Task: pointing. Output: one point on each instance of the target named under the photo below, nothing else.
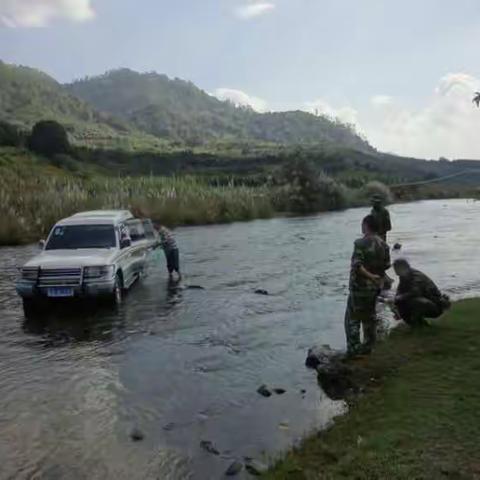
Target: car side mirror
(125, 242)
(41, 244)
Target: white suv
(91, 254)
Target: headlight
(104, 271)
(30, 273)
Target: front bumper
(92, 289)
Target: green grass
(419, 418)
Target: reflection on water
(183, 365)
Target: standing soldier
(382, 216)
(370, 260)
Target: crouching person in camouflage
(370, 260)
(417, 298)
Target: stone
(397, 246)
(256, 468)
(195, 287)
(260, 291)
(234, 469)
(334, 374)
(209, 447)
(264, 391)
(136, 435)
(323, 356)
(279, 391)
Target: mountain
(180, 111)
(28, 95)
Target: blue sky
(402, 72)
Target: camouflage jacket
(382, 216)
(374, 255)
(419, 285)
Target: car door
(126, 260)
(139, 245)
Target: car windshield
(81, 236)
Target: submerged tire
(116, 298)
(30, 308)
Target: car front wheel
(117, 294)
(30, 308)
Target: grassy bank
(419, 417)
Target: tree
(49, 138)
(476, 99)
(9, 135)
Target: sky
(402, 72)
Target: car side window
(135, 230)
(149, 229)
(124, 236)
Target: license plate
(60, 292)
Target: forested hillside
(28, 95)
(178, 110)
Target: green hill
(179, 111)
(28, 95)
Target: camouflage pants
(361, 312)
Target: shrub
(377, 188)
(10, 136)
(49, 138)
(306, 189)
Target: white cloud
(381, 101)
(39, 13)
(447, 125)
(240, 99)
(345, 114)
(254, 8)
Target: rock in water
(195, 287)
(234, 469)
(323, 356)
(397, 246)
(136, 435)
(260, 291)
(256, 468)
(279, 391)
(209, 447)
(334, 375)
(264, 391)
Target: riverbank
(35, 193)
(418, 416)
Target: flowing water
(183, 365)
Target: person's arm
(388, 261)
(371, 276)
(388, 223)
(358, 259)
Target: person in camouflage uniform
(382, 216)
(370, 260)
(417, 296)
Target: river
(183, 366)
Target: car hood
(72, 258)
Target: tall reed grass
(30, 204)
(34, 195)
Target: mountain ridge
(179, 110)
